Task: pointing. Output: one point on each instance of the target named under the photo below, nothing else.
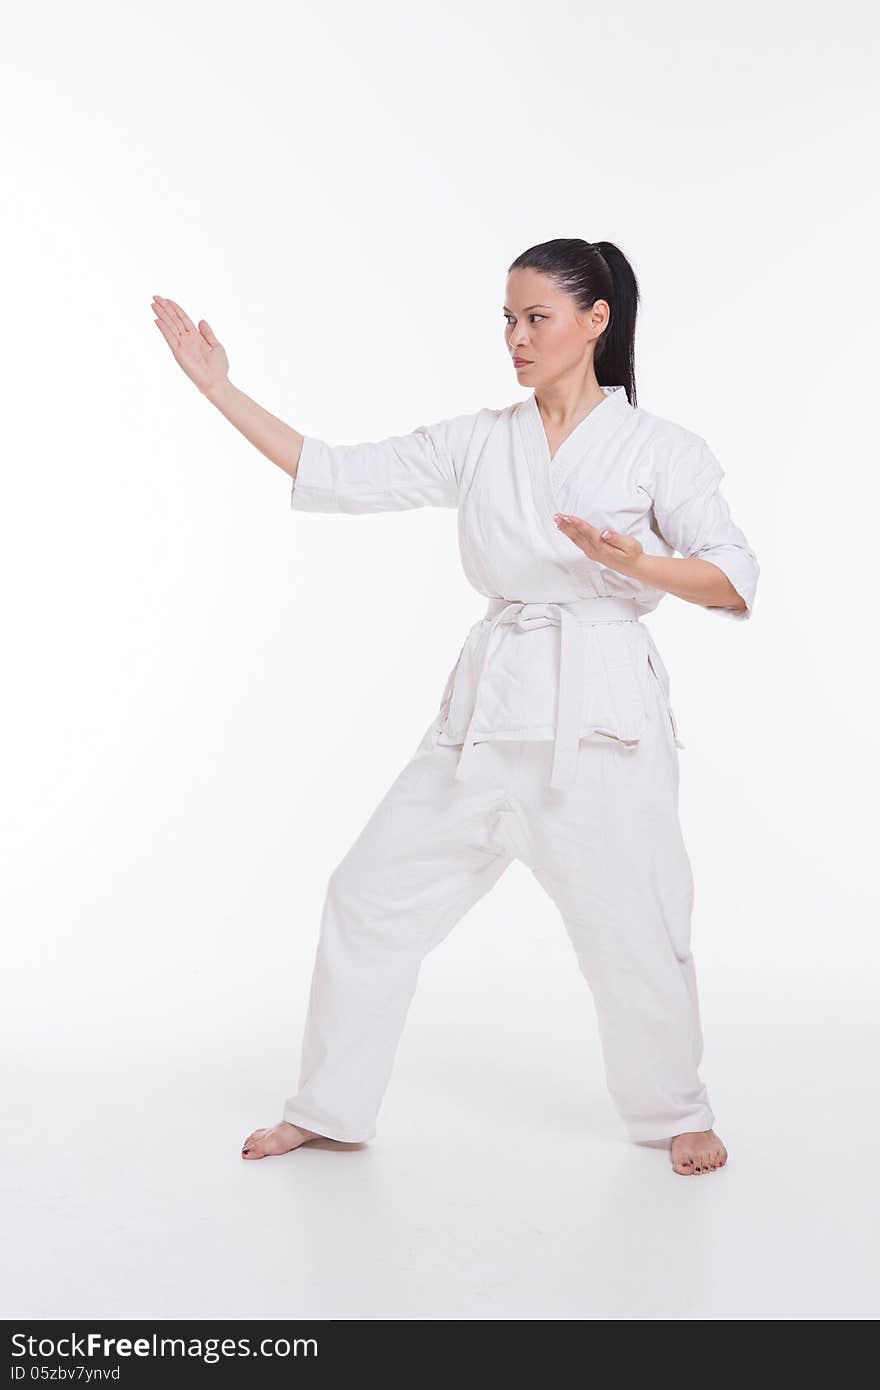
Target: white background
(205, 694)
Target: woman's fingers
(614, 539)
(583, 533)
(185, 321)
(577, 529)
(580, 533)
(173, 315)
(608, 547)
(169, 334)
(162, 312)
(176, 317)
(207, 333)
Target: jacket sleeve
(694, 518)
(421, 469)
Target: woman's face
(545, 328)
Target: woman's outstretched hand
(196, 350)
(610, 548)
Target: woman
(555, 742)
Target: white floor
(130, 1198)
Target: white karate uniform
(554, 743)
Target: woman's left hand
(610, 548)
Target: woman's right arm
(203, 358)
(419, 469)
(279, 442)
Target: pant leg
(611, 854)
(428, 852)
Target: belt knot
(572, 616)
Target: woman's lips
(521, 362)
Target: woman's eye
(509, 317)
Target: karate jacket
(539, 657)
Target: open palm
(612, 549)
(195, 349)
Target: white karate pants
(608, 850)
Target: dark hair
(589, 271)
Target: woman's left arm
(718, 568)
(697, 581)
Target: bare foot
(700, 1152)
(280, 1139)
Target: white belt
(570, 617)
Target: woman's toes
(251, 1148)
(277, 1139)
(697, 1160)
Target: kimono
(540, 664)
(554, 742)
